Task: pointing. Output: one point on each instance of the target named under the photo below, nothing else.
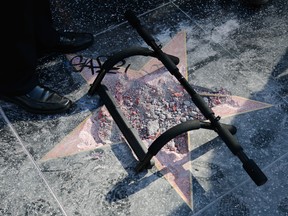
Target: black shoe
(71, 42)
(40, 101)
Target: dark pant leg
(29, 29)
(46, 34)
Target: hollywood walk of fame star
(99, 128)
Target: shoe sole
(36, 111)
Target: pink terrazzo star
(153, 101)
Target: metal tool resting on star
(145, 155)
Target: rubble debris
(152, 109)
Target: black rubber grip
(255, 172)
(132, 18)
(135, 23)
